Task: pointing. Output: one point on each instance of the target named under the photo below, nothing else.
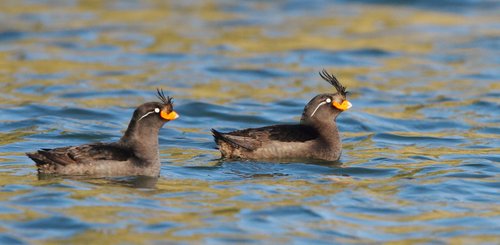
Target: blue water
(421, 144)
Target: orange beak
(169, 116)
(344, 106)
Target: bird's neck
(328, 134)
(143, 139)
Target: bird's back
(99, 159)
(273, 142)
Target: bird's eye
(157, 110)
(328, 100)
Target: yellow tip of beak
(169, 116)
(344, 106)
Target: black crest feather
(165, 99)
(331, 79)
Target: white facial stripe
(145, 115)
(317, 107)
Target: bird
(315, 137)
(135, 154)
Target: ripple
(411, 140)
(249, 73)
(9, 36)
(315, 58)
(260, 219)
(50, 227)
(8, 239)
(158, 227)
(199, 110)
(43, 199)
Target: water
(421, 144)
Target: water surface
(421, 143)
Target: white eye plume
(156, 110)
(327, 101)
(317, 107)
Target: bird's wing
(84, 154)
(254, 138)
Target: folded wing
(84, 154)
(254, 138)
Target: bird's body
(316, 137)
(136, 153)
(279, 142)
(98, 159)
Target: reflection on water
(421, 148)
(128, 181)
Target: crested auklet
(316, 137)
(136, 153)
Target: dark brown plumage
(136, 153)
(316, 137)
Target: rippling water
(421, 144)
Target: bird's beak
(169, 116)
(344, 106)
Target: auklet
(316, 137)
(136, 153)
